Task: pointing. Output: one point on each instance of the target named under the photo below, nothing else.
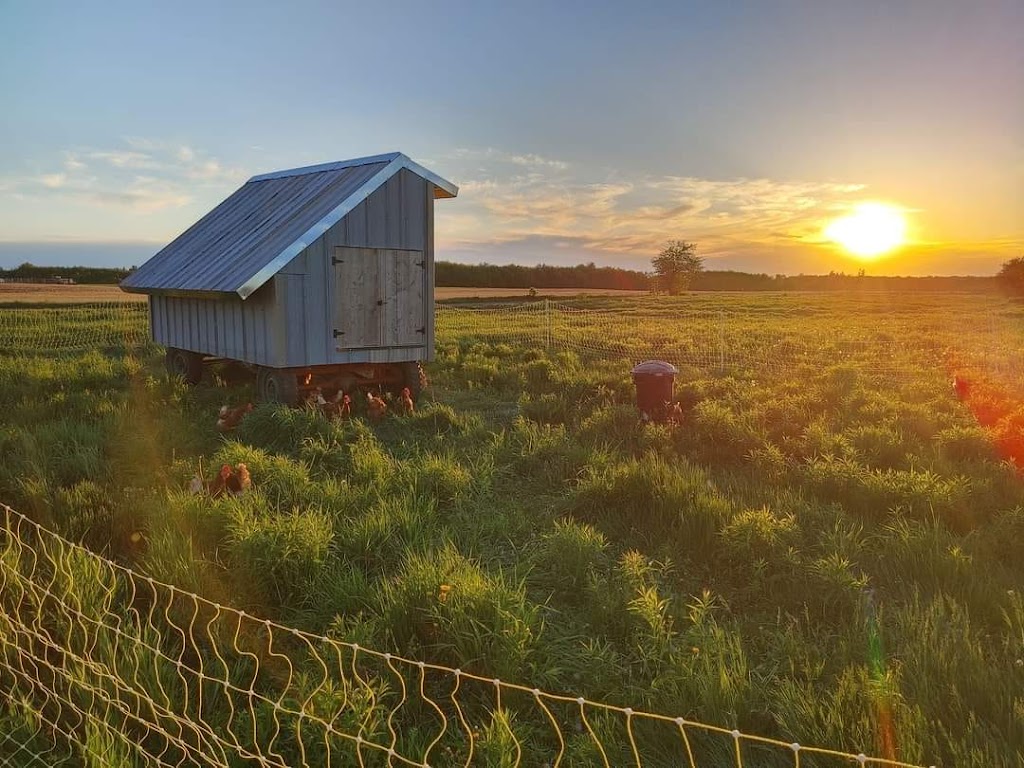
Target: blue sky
(577, 131)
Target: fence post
(547, 319)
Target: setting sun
(869, 231)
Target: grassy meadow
(829, 549)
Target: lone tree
(1011, 276)
(676, 266)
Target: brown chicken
(339, 406)
(219, 484)
(316, 398)
(674, 412)
(961, 388)
(376, 407)
(240, 480)
(233, 481)
(229, 418)
(405, 402)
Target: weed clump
(648, 499)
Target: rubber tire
(188, 365)
(278, 386)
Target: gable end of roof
(442, 189)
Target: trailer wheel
(277, 386)
(188, 365)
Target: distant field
(64, 294)
(33, 293)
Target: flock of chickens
(235, 481)
(340, 406)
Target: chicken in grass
(229, 418)
(376, 407)
(316, 399)
(219, 484)
(240, 480)
(233, 481)
(405, 403)
(674, 412)
(339, 406)
(961, 388)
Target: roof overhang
(179, 293)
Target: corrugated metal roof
(245, 240)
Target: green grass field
(829, 549)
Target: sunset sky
(576, 131)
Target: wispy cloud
(507, 197)
(144, 175)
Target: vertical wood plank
(376, 217)
(193, 330)
(234, 332)
(414, 212)
(243, 336)
(318, 318)
(392, 237)
(357, 226)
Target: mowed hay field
(829, 548)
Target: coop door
(405, 312)
(358, 298)
(379, 298)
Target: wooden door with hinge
(358, 298)
(405, 317)
(379, 298)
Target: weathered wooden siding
(399, 215)
(247, 330)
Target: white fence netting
(767, 342)
(104, 665)
(760, 340)
(73, 327)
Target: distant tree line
(838, 281)
(92, 275)
(452, 275)
(586, 276)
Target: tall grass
(808, 550)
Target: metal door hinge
(421, 263)
(335, 261)
(338, 333)
(421, 330)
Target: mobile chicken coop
(317, 276)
